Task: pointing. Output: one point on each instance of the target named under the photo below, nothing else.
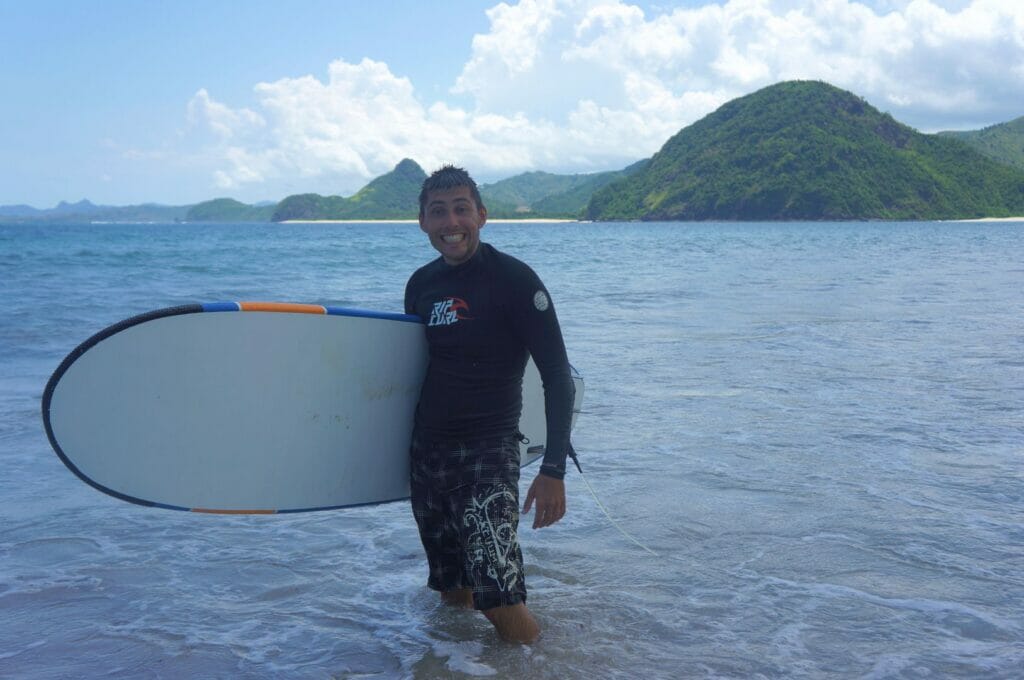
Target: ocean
(816, 428)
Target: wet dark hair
(446, 178)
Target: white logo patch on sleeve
(540, 301)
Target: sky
(124, 102)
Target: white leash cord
(610, 519)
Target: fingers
(548, 513)
(549, 495)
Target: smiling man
(486, 313)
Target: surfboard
(251, 407)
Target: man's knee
(514, 623)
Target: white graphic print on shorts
(491, 519)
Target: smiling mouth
(453, 238)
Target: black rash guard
(484, 318)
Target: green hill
(543, 194)
(810, 151)
(573, 202)
(523, 190)
(307, 207)
(1003, 142)
(228, 210)
(391, 196)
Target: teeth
(452, 238)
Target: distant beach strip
(528, 220)
(991, 219)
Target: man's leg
(514, 623)
(494, 561)
(430, 471)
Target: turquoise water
(819, 429)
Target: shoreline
(529, 220)
(992, 219)
(346, 222)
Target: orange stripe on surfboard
(281, 307)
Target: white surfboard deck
(280, 408)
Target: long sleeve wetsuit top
(484, 318)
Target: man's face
(453, 221)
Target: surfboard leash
(572, 454)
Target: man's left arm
(543, 338)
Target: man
(485, 313)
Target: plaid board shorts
(465, 498)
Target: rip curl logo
(492, 543)
(449, 311)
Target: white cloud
(578, 85)
(515, 43)
(219, 118)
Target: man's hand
(549, 493)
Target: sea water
(817, 429)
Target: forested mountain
(1003, 142)
(391, 196)
(543, 194)
(229, 210)
(810, 151)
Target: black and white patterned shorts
(465, 497)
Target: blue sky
(177, 102)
